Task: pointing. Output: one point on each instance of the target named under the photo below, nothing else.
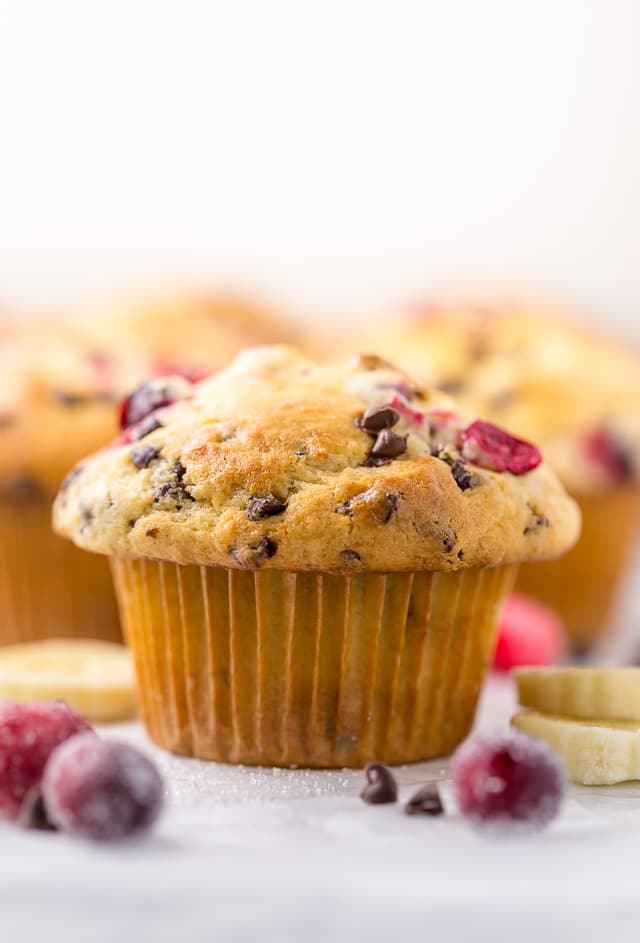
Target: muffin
(57, 400)
(190, 334)
(310, 560)
(574, 393)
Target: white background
(343, 156)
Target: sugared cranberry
(154, 394)
(28, 735)
(490, 447)
(528, 634)
(602, 449)
(101, 789)
(508, 779)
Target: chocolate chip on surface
(178, 470)
(537, 521)
(350, 556)
(389, 444)
(146, 427)
(462, 475)
(151, 532)
(345, 507)
(378, 418)
(143, 455)
(381, 786)
(426, 801)
(173, 490)
(390, 504)
(267, 506)
(256, 554)
(448, 540)
(86, 517)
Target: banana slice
(595, 752)
(592, 693)
(94, 678)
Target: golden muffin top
(537, 374)
(276, 462)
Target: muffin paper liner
(49, 588)
(582, 585)
(307, 669)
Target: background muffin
(309, 560)
(191, 333)
(58, 396)
(572, 391)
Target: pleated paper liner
(305, 669)
(49, 588)
(582, 585)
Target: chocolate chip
(33, 813)
(378, 418)
(178, 470)
(146, 427)
(152, 532)
(448, 540)
(389, 444)
(86, 517)
(350, 556)
(389, 506)
(155, 393)
(267, 506)
(173, 490)
(381, 786)
(463, 477)
(132, 522)
(426, 801)
(254, 556)
(537, 521)
(345, 507)
(143, 455)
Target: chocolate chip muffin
(573, 392)
(58, 395)
(310, 560)
(190, 334)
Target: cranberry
(101, 789)
(528, 634)
(28, 735)
(490, 447)
(602, 449)
(508, 779)
(154, 394)
(402, 407)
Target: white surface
(274, 855)
(344, 154)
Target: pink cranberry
(508, 779)
(490, 447)
(28, 735)
(528, 634)
(403, 408)
(101, 789)
(154, 394)
(603, 450)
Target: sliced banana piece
(595, 752)
(94, 678)
(602, 693)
